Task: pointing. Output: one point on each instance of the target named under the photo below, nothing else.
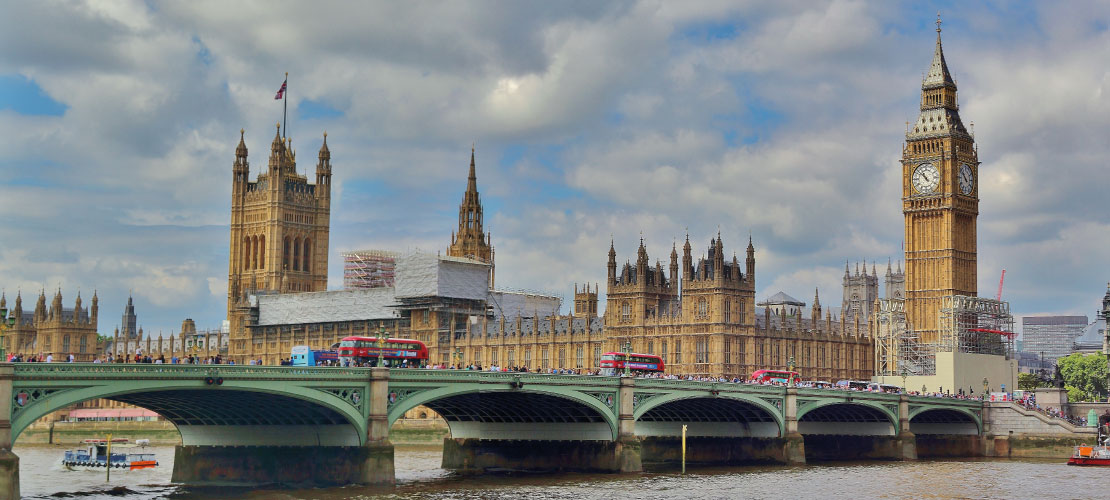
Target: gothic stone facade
(279, 233)
(53, 330)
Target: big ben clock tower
(940, 200)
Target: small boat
(124, 456)
(1090, 455)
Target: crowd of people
(1028, 401)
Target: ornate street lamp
(381, 343)
(985, 382)
(6, 322)
(790, 368)
(904, 380)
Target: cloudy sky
(783, 120)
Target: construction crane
(1000, 280)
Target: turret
(687, 260)
(56, 306)
(641, 260)
(750, 261)
(323, 170)
(40, 308)
(240, 168)
(94, 311)
(612, 264)
(3, 300)
(277, 158)
(674, 266)
(77, 308)
(18, 307)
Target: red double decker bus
(773, 376)
(363, 351)
(613, 363)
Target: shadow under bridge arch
(944, 421)
(717, 416)
(849, 419)
(224, 416)
(532, 415)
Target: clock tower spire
(940, 201)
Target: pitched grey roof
(781, 298)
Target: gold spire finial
(938, 21)
(242, 131)
(325, 134)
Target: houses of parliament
(698, 314)
(697, 311)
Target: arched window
(246, 250)
(626, 311)
(254, 252)
(285, 255)
(297, 254)
(262, 252)
(703, 307)
(84, 343)
(65, 344)
(307, 255)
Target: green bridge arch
(429, 395)
(888, 410)
(654, 402)
(40, 390)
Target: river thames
(419, 476)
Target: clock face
(926, 178)
(967, 181)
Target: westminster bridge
(325, 426)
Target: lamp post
(627, 355)
(6, 322)
(790, 368)
(904, 380)
(985, 382)
(381, 343)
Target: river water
(420, 477)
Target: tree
(1084, 376)
(1029, 381)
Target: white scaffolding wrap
(326, 307)
(426, 275)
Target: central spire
(938, 75)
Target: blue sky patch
(22, 95)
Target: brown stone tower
(279, 227)
(470, 240)
(585, 301)
(940, 201)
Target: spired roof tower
(470, 240)
(940, 201)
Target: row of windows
(476, 358)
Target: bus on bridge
(613, 363)
(364, 351)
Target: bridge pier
(907, 442)
(9, 462)
(794, 445)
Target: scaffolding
(369, 269)
(898, 348)
(967, 324)
(976, 325)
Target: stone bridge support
(297, 465)
(794, 447)
(906, 441)
(9, 462)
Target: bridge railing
(40, 371)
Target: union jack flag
(281, 91)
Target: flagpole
(285, 105)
